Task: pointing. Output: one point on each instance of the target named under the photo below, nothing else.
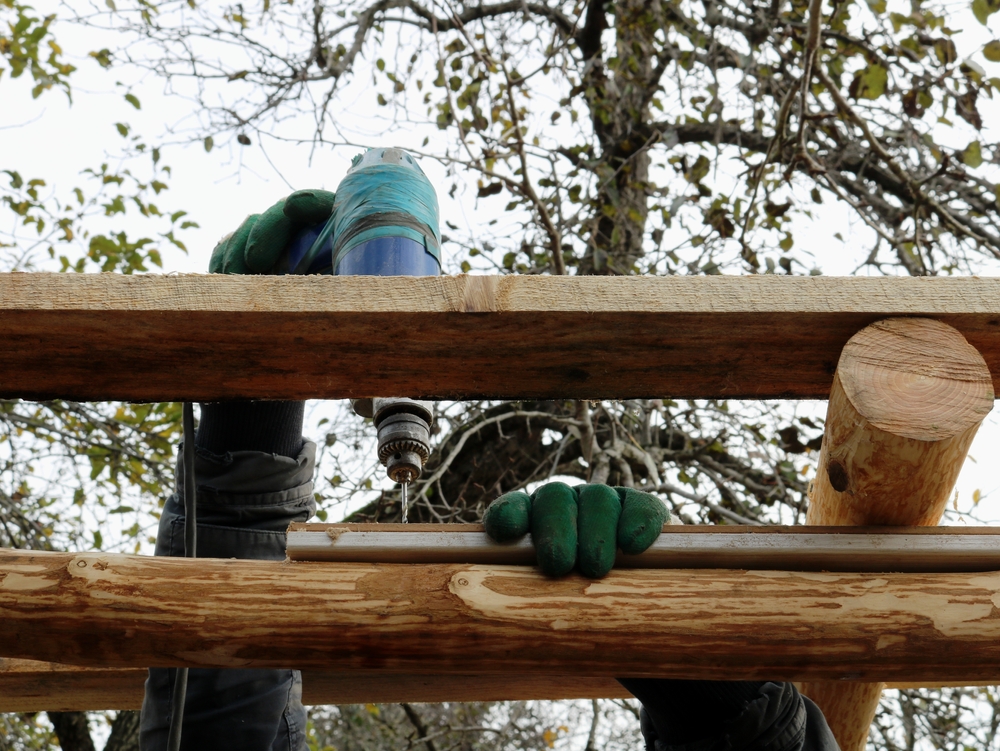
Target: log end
(916, 378)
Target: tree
(69, 470)
(625, 136)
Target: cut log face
(907, 399)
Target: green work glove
(259, 243)
(584, 525)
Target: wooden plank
(131, 611)
(906, 549)
(31, 686)
(34, 686)
(106, 336)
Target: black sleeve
(728, 716)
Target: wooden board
(148, 338)
(30, 686)
(131, 611)
(878, 549)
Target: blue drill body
(384, 223)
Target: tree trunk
(73, 730)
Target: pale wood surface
(876, 549)
(907, 399)
(107, 336)
(31, 686)
(121, 611)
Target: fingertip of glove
(216, 264)
(508, 517)
(309, 206)
(555, 559)
(600, 511)
(268, 238)
(598, 561)
(642, 519)
(233, 259)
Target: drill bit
(406, 501)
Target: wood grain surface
(122, 611)
(107, 336)
(908, 396)
(32, 686)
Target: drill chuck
(404, 436)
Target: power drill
(384, 223)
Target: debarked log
(31, 686)
(121, 611)
(907, 399)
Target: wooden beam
(873, 549)
(130, 611)
(908, 396)
(148, 338)
(31, 686)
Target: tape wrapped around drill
(385, 200)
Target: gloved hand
(584, 525)
(259, 243)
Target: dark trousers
(246, 499)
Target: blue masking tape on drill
(385, 207)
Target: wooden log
(31, 686)
(151, 338)
(908, 396)
(130, 611)
(873, 549)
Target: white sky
(220, 188)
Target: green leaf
(380, 64)
(133, 100)
(983, 9)
(209, 143)
(103, 57)
(945, 51)
(122, 129)
(972, 155)
(992, 51)
(869, 83)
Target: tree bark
(73, 730)
(907, 399)
(124, 732)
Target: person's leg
(728, 716)
(254, 474)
